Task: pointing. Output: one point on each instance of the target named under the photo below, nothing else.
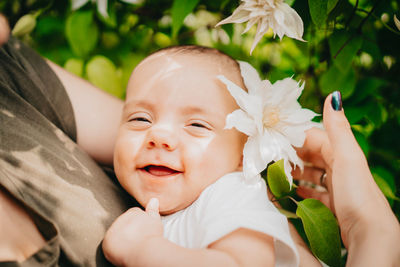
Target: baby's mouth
(160, 170)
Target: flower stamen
(271, 117)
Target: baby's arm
(136, 239)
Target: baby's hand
(125, 238)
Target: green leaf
(343, 47)
(331, 5)
(110, 39)
(102, 72)
(385, 181)
(362, 141)
(24, 25)
(377, 114)
(75, 66)
(82, 33)
(321, 229)
(368, 86)
(355, 113)
(180, 9)
(318, 11)
(277, 180)
(334, 79)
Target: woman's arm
(19, 236)
(369, 229)
(97, 115)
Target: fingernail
(153, 203)
(336, 101)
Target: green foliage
(318, 11)
(320, 225)
(102, 72)
(322, 230)
(276, 178)
(180, 9)
(81, 32)
(351, 46)
(25, 25)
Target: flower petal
(132, 1)
(300, 116)
(236, 91)
(238, 16)
(250, 24)
(250, 104)
(291, 25)
(259, 34)
(269, 147)
(76, 4)
(295, 135)
(250, 77)
(397, 22)
(286, 92)
(102, 7)
(253, 165)
(241, 121)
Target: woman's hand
(129, 233)
(363, 212)
(4, 30)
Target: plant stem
(294, 200)
(359, 28)
(352, 14)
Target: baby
(174, 155)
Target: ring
(322, 179)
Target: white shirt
(225, 206)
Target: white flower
(272, 118)
(274, 14)
(101, 5)
(396, 22)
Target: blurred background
(351, 45)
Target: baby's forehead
(186, 76)
(172, 63)
(190, 61)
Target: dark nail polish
(336, 101)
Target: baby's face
(171, 142)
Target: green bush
(351, 46)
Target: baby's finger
(153, 208)
(307, 192)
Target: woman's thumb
(337, 126)
(153, 208)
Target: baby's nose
(162, 138)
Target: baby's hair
(197, 49)
(202, 50)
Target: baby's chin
(166, 210)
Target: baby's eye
(198, 128)
(199, 125)
(139, 119)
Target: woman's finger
(310, 174)
(338, 128)
(4, 30)
(316, 149)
